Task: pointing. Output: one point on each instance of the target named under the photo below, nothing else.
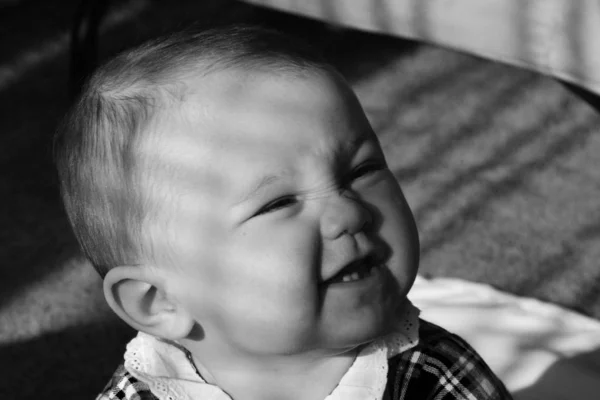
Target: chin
(353, 339)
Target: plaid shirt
(441, 367)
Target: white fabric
(555, 37)
(170, 374)
(539, 350)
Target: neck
(290, 377)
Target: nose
(343, 215)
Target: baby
(230, 191)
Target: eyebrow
(260, 185)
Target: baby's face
(291, 232)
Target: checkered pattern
(124, 386)
(441, 367)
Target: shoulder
(442, 366)
(123, 386)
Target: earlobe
(137, 295)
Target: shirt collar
(169, 372)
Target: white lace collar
(168, 371)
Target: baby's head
(230, 190)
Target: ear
(137, 295)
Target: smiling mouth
(356, 271)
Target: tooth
(346, 278)
(355, 276)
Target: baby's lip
(370, 258)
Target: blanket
(539, 350)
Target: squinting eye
(277, 204)
(366, 169)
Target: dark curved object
(84, 41)
(591, 98)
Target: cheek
(390, 207)
(286, 251)
(395, 225)
(265, 286)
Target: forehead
(257, 109)
(235, 125)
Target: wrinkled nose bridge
(342, 214)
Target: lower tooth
(359, 275)
(351, 277)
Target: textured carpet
(500, 166)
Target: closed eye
(366, 169)
(277, 204)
